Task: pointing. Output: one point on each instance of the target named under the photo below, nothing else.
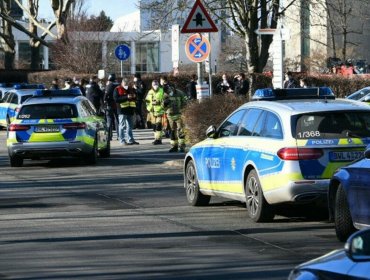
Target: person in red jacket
(125, 97)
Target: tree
(83, 54)
(6, 36)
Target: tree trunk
(35, 49)
(9, 46)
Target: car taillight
(299, 153)
(18, 127)
(76, 125)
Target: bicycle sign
(197, 48)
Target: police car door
(227, 135)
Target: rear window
(332, 125)
(48, 111)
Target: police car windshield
(332, 125)
(25, 97)
(48, 111)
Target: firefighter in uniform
(173, 102)
(154, 105)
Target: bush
(198, 116)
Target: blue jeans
(125, 128)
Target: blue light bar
(29, 86)
(57, 92)
(293, 93)
(8, 85)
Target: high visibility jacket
(154, 102)
(126, 100)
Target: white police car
(57, 123)
(13, 98)
(283, 148)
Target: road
(127, 218)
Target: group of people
(290, 82)
(239, 85)
(123, 105)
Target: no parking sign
(197, 48)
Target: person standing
(125, 98)
(289, 81)
(55, 84)
(241, 85)
(94, 93)
(224, 86)
(173, 103)
(154, 105)
(110, 105)
(140, 90)
(191, 88)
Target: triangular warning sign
(199, 20)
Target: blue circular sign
(122, 52)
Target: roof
(311, 105)
(54, 100)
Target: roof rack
(293, 93)
(57, 92)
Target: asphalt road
(127, 218)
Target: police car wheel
(193, 194)
(16, 161)
(258, 208)
(93, 156)
(105, 153)
(342, 216)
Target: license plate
(345, 156)
(47, 128)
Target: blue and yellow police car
(282, 147)
(13, 98)
(57, 123)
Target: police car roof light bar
(293, 93)
(29, 86)
(58, 92)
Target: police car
(57, 123)
(13, 98)
(283, 147)
(362, 95)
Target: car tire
(342, 216)
(16, 161)
(258, 208)
(105, 153)
(193, 194)
(92, 157)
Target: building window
(147, 57)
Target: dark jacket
(241, 87)
(191, 89)
(140, 90)
(94, 94)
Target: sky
(112, 8)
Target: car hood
(335, 261)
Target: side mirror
(366, 98)
(211, 131)
(367, 152)
(357, 246)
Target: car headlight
(302, 275)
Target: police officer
(110, 105)
(125, 98)
(154, 105)
(94, 93)
(173, 102)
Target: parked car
(57, 123)
(282, 148)
(351, 262)
(349, 197)
(362, 95)
(12, 100)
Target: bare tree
(346, 19)
(6, 36)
